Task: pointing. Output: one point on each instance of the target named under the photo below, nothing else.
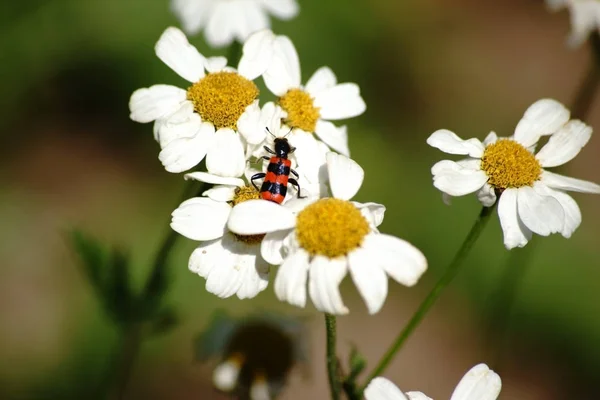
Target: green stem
(234, 54)
(435, 293)
(332, 361)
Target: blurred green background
(72, 158)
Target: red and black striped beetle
(274, 187)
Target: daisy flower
(200, 121)
(532, 199)
(479, 383)
(585, 18)
(310, 108)
(227, 20)
(230, 263)
(320, 241)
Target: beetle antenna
(268, 130)
(290, 131)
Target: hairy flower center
(510, 165)
(242, 194)
(331, 227)
(301, 111)
(222, 97)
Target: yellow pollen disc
(509, 164)
(331, 227)
(242, 194)
(222, 97)
(300, 109)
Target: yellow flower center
(222, 97)
(241, 195)
(331, 227)
(300, 109)
(510, 165)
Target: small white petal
(272, 245)
(226, 279)
(451, 178)
(383, 389)
(226, 154)
(516, 234)
(560, 182)
(220, 193)
(290, 283)
(184, 153)
(448, 142)
(544, 117)
(257, 54)
(206, 256)
(253, 121)
(249, 18)
(309, 155)
(201, 218)
(192, 14)
(565, 144)
(479, 383)
(325, 276)
(253, 270)
(322, 79)
(214, 179)
(417, 396)
(158, 101)
(373, 212)
(254, 217)
(282, 9)
(215, 64)
(220, 28)
(570, 207)
(259, 390)
(226, 374)
(542, 214)
(486, 195)
(401, 260)
(371, 281)
(340, 102)
(490, 138)
(183, 123)
(174, 50)
(345, 176)
(335, 137)
(284, 72)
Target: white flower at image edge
(532, 200)
(479, 383)
(310, 108)
(318, 242)
(231, 264)
(585, 18)
(224, 21)
(201, 121)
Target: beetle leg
(297, 186)
(257, 176)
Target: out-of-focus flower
(227, 20)
(201, 121)
(585, 18)
(309, 108)
(320, 241)
(479, 383)
(256, 353)
(532, 200)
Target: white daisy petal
(402, 261)
(450, 143)
(184, 153)
(220, 193)
(282, 9)
(373, 212)
(570, 207)
(479, 383)
(543, 117)
(200, 218)
(486, 195)
(253, 121)
(257, 54)
(225, 280)
(191, 13)
(542, 214)
(451, 178)
(560, 182)
(290, 283)
(383, 389)
(325, 276)
(183, 123)
(322, 79)
(417, 396)
(271, 246)
(490, 138)
(250, 18)
(335, 137)
(516, 234)
(565, 144)
(340, 102)
(174, 50)
(370, 280)
(215, 64)
(158, 101)
(226, 154)
(214, 179)
(247, 262)
(284, 72)
(345, 176)
(309, 156)
(254, 217)
(206, 257)
(220, 28)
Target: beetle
(274, 187)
